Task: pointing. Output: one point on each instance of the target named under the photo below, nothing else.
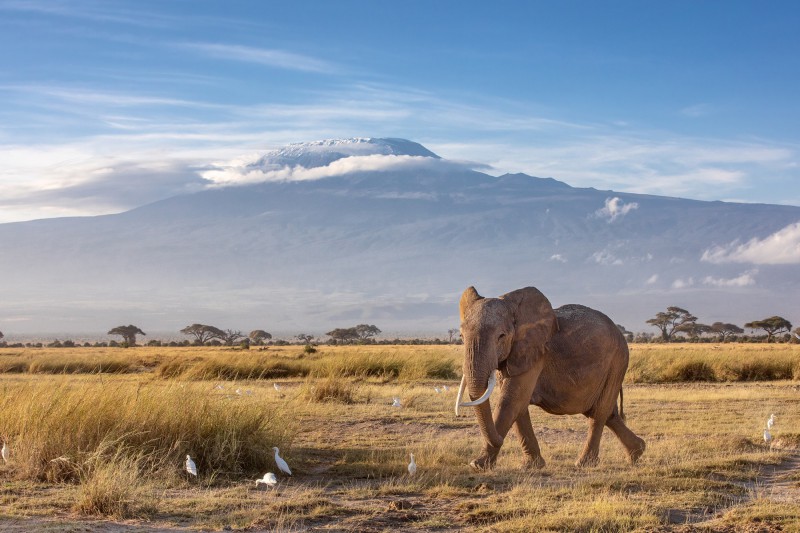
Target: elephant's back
(587, 354)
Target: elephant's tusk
(460, 391)
(489, 389)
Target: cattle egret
(412, 466)
(190, 466)
(282, 466)
(277, 387)
(767, 437)
(771, 421)
(269, 480)
(4, 452)
(239, 392)
(396, 402)
(219, 387)
(445, 388)
(437, 389)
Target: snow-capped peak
(323, 153)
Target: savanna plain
(97, 439)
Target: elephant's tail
(621, 411)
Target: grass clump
(334, 389)
(81, 364)
(114, 487)
(59, 431)
(691, 371)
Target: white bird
(771, 421)
(767, 436)
(437, 389)
(282, 465)
(412, 466)
(396, 402)
(269, 480)
(219, 387)
(239, 392)
(446, 388)
(277, 387)
(190, 466)
(4, 452)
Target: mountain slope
(386, 233)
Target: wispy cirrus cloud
(780, 248)
(743, 280)
(264, 56)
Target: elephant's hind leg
(590, 455)
(533, 456)
(634, 444)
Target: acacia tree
(366, 331)
(343, 335)
(203, 333)
(692, 329)
(725, 330)
(671, 319)
(625, 333)
(128, 333)
(230, 336)
(258, 336)
(772, 325)
(453, 334)
(305, 338)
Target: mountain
(335, 233)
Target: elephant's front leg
(524, 427)
(515, 395)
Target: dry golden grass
(122, 439)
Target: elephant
(570, 360)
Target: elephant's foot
(636, 452)
(487, 458)
(588, 459)
(534, 462)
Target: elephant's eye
(502, 337)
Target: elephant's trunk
(480, 383)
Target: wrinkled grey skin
(570, 360)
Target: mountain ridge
(392, 245)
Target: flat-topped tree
(203, 333)
(128, 333)
(725, 330)
(668, 321)
(258, 336)
(772, 326)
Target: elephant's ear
(534, 322)
(469, 296)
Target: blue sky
(110, 104)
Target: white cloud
(682, 283)
(239, 172)
(604, 257)
(264, 56)
(652, 279)
(743, 280)
(559, 258)
(615, 208)
(780, 248)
